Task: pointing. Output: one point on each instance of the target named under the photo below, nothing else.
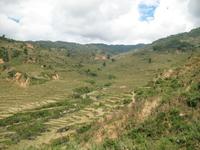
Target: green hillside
(60, 95)
(182, 42)
(103, 48)
(116, 49)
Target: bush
(90, 73)
(193, 96)
(11, 73)
(26, 51)
(4, 54)
(142, 93)
(15, 53)
(92, 82)
(108, 84)
(127, 101)
(84, 129)
(36, 81)
(104, 64)
(110, 77)
(80, 91)
(5, 66)
(193, 101)
(110, 144)
(60, 141)
(149, 60)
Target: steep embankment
(170, 121)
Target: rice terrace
(140, 94)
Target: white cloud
(86, 21)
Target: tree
(104, 64)
(150, 60)
(113, 60)
(25, 51)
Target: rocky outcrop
(21, 80)
(55, 76)
(28, 45)
(100, 57)
(1, 61)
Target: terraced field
(16, 99)
(102, 103)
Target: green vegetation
(4, 54)
(73, 96)
(174, 44)
(28, 125)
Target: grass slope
(53, 96)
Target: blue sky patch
(15, 19)
(146, 12)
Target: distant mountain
(108, 49)
(116, 49)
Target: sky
(97, 21)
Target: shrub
(83, 129)
(108, 84)
(110, 144)
(104, 64)
(15, 53)
(92, 82)
(36, 81)
(90, 73)
(5, 66)
(60, 141)
(127, 101)
(193, 101)
(113, 60)
(80, 91)
(149, 60)
(4, 54)
(110, 77)
(26, 51)
(11, 73)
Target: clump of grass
(36, 81)
(108, 84)
(110, 144)
(193, 95)
(84, 129)
(111, 77)
(127, 101)
(60, 141)
(92, 82)
(78, 92)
